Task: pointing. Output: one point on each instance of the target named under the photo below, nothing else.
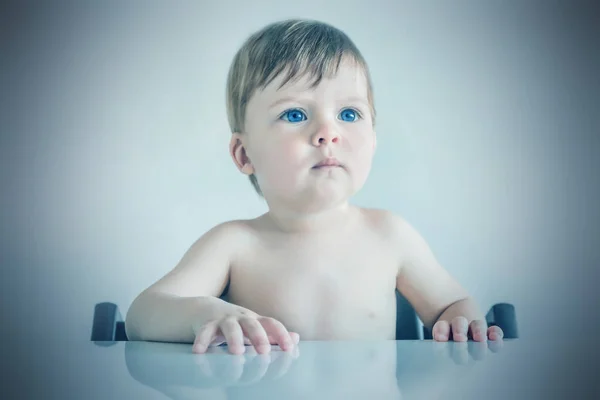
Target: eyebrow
(286, 99)
(358, 99)
(283, 100)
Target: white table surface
(517, 369)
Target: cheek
(360, 147)
(279, 161)
(289, 152)
(360, 143)
(279, 153)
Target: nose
(325, 134)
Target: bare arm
(187, 297)
(432, 291)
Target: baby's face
(290, 131)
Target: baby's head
(299, 93)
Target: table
(514, 369)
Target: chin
(313, 196)
(321, 198)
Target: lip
(330, 162)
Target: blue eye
(348, 115)
(294, 116)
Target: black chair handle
(504, 316)
(106, 316)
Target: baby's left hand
(460, 330)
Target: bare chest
(321, 289)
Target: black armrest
(120, 334)
(504, 316)
(104, 326)
(407, 322)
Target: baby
(302, 116)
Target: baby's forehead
(349, 78)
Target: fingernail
(459, 337)
(479, 335)
(441, 337)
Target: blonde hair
(294, 47)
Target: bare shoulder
(229, 237)
(386, 223)
(204, 268)
(233, 228)
(394, 230)
(229, 232)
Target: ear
(238, 154)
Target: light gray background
(114, 151)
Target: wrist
(466, 307)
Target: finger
(233, 334)
(205, 335)
(495, 333)
(460, 327)
(278, 332)
(218, 340)
(295, 337)
(255, 332)
(478, 330)
(441, 331)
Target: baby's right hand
(261, 332)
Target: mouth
(328, 163)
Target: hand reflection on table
(464, 353)
(322, 370)
(230, 370)
(173, 370)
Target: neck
(322, 221)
